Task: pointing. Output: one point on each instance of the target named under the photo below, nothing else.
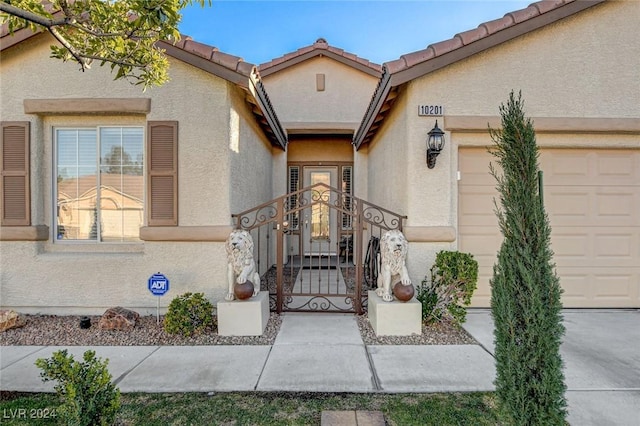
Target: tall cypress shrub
(525, 291)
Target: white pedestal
(394, 318)
(244, 317)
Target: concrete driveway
(601, 353)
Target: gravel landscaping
(50, 330)
(444, 333)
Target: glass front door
(320, 221)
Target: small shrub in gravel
(189, 313)
(453, 281)
(89, 397)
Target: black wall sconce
(435, 143)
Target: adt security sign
(158, 284)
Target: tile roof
(438, 55)
(482, 31)
(320, 48)
(236, 70)
(208, 58)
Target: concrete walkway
(325, 353)
(601, 354)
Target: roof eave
(205, 64)
(276, 134)
(377, 101)
(9, 40)
(272, 69)
(492, 40)
(402, 75)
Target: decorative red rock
(118, 318)
(403, 293)
(243, 291)
(10, 319)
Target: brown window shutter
(162, 178)
(14, 186)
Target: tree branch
(32, 17)
(78, 57)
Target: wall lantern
(435, 143)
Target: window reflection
(320, 212)
(100, 198)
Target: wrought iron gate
(305, 264)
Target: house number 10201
(430, 110)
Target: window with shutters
(162, 189)
(294, 185)
(99, 188)
(347, 201)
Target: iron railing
(312, 269)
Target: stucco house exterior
(104, 185)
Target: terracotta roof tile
(470, 36)
(245, 68)
(350, 56)
(213, 54)
(524, 14)
(443, 47)
(226, 60)
(498, 24)
(199, 49)
(409, 66)
(483, 30)
(413, 58)
(233, 69)
(277, 61)
(548, 5)
(304, 50)
(318, 48)
(397, 65)
(291, 55)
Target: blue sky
(379, 31)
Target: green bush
(89, 397)
(453, 281)
(189, 313)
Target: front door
(319, 221)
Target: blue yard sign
(158, 284)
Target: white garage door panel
(480, 240)
(476, 206)
(592, 198)
(475, 165)
(590, 167)
(482, 294)
(582, 287)
(591, 205)
(604, 247)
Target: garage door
(592, 198)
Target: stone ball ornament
(403, 293)
(243, 291)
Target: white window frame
(54, 175)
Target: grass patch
(269, 408)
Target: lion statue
(393, 253)
(241, 266)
